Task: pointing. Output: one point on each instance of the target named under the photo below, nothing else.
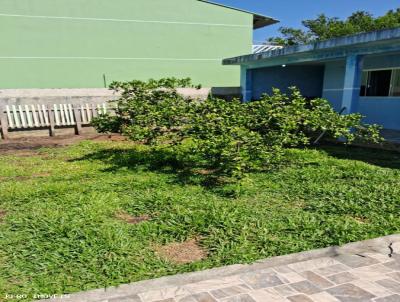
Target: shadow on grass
(161, 161)
(377, 157)
(184, 172)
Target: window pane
(396, 83)
(379, 83)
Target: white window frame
(391, 83)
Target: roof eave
(259, 20)
(392, 35)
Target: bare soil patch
(206, 171)
(21, 178)
(36, 175)
(43, 174)
(113, 138)
(3, 214)
(20, 152)
(182, 253)
(131, 219)
(360, 220)
(28, 146)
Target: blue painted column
(246, 86)
(352, 83)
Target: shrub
(227, 137)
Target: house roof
(259, 20)
(363, 42)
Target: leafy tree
(323, 27)
(229, 138)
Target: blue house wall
(331, 69)
(333, 83)
(384, 111)
(308, 79)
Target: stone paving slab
(357, 272)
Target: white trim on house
(122, 20)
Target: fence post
(52, 130)
(4, 125)
(78, 120)
(94, 110)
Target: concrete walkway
(359, 272)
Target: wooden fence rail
(29, 117)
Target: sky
(292, 12)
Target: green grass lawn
(60, 232)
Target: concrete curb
(380, 245)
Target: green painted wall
(140, 39)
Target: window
(396, 83)
(385, 82)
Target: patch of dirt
(360, 220)
(19, 153)
(182, 253)
(28, 146)
(21, 178)
(37, 175)
(206, 171)
(43, 174)
(131, 219)
(2, 215)
(113, 138)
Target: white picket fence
(24, 117)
